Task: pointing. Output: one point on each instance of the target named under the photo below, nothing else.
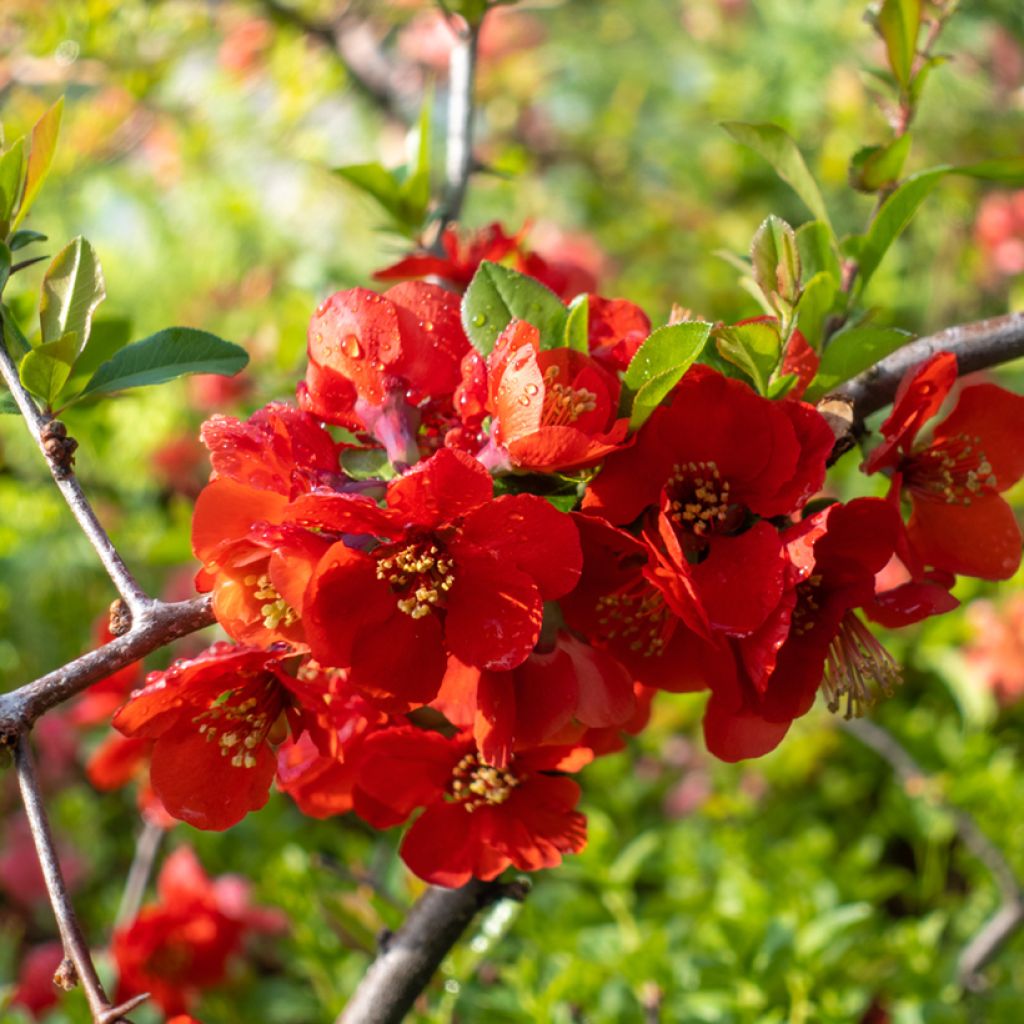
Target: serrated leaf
(898, 23)
(876, 167)
(497, 295)
(776, 262)
(45, 369)
(170, 353)
(12, 173)
(755, 348)
(851, 352)
(817, 253)
(659, 365)
(776, 146)
(72, 289)
(15, 340)
(44, 143)
(815, 304)
(577, 325)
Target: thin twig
(409, 958)
(987, 942)
(146, 849)
(76, 949)
(67, 483)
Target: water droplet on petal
(322, 308)
(350, 346)
(317, 338)
(428, 326)
(523, 400)
(531, 389)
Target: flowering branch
(408, 959)
(77, 966)
(987, 942)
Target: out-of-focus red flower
(374, 360)
(213, 392)
(551, 698)
(958, 523)
(21, 878)
(36, 991)
(616, 329)
(212, 719)
(477, 819)
(456, 571)
(813, 638)
(179, 464)
(120, 760)
(428, 39)
(999, 232)
(568, 262)
(242, 49)
(996, 650)
(553, 409)
(102, 699)
(718, 463)
(183, 944)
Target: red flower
(102, 699)
(375, 359)
(183, 944)
(958, 522)
(718, 462)
(554, 409)
(552, 697)
(36, 990)
(616, 329)
(477, 819)
(813, 639)
(212, 718)
(455, 572)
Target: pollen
(638, 616)
(420, 574)
(954, 470)
(275, 611)
(564, 404)
(239, 728)
(477, 784)
(805, 612)
(699, 498)
(857, 669)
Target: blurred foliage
(196, 156)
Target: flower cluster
(494, 526)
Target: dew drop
(350, 346)
(523, 400)
(531, 389)
(322, 308)
(317, 338)
(479, 320)
(428, 326)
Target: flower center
(698, 498)
(637, 615)
(564, 404)
(419, 573)
(238, 729)
(857, 668)
(476, 784)
(805, 611)
(276, 611)
(953, 470)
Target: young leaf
(497, 295)
(25, 237)
(755, 348)
(45, 369)
(850, 352)
(367, 464)
(876, 167)
(659, 364)
(44, 142)
(577, 325)
(12, 173)
(5, 265)
(106, 339)
(898, 23)
(170, 353)
(377, 181)
(1007, 170)
(776, 262)
(16, 342)
(817, 254)
(775, 145)
(72, 289)
(814, 306)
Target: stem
(75, 947)
(67, 483)
(409, 958)
(146, 849)
(987, 942)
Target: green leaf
(776, 262)
(376, 181)
(1008, 171)
(44, 143)
(851, 352)
(5, 265)
(12, 172)
(817, 253)
(497, 295)
(776, 146)
(924, 73)
(877, 167)
(46, 368)
(577, 325)
(367, 464)
(72, 289)
(755, 348)
(25, 237)
(8, 406)
(15, 340)
(107, 338)
(170, 353)
(414, 193)
(659, 364)
(814, 306)
(898, 23)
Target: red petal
(495, 727)
(547, 696)
(605, 688)
(444, 847)
(735, 735)
(226, 511)
(440, 489)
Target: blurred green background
(195, 156)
